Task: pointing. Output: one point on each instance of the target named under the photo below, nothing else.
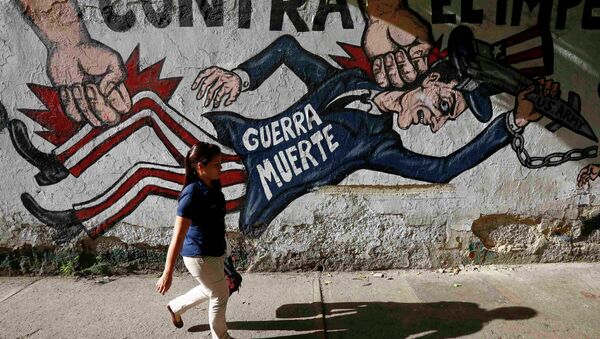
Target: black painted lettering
(114, 21)
(560, 111)
(340, 6)
(290, 8)
(160, 19)
(470, 15)
(501, 12)
(544, 11)
(561, 12)
(437, 12)
(589, 21)
(245, 14)
(213, 15)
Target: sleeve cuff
(511, 124)
(244, 77)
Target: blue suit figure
(342, 124)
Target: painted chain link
(553, 159)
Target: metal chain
(553, 159)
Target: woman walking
(199, 236)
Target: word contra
(212, 13)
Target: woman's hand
(164, 283)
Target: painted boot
(51, 170)
(66, 223)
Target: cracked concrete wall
(496, 212)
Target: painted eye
(445, 107)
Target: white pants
(209, 271)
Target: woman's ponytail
(190, 171)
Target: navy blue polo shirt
(206, 208)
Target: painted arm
(218, 83)
(442, 169)
(401, 161)
(396, 40)
(89, 74)
(180, 230)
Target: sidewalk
(534, 301)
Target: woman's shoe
(174, 318)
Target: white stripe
(74, 139)
(118, 205)
(523, 46)
(231, 165)
(234, 192)
(529, 63)
(127, 175)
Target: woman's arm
(180, 230)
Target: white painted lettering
(266, 172)
(276, 133)
(293, 159)
(250, 139)
(333, 145)
(286, 124)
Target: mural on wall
(345, 121)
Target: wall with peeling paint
(496, 212)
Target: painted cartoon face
(432, 104)
(212, 170)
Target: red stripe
(529, 54)
(71, 150)
(140, 174)
(531, 33)
(131, 206)
(230, 157)
(233, 177)
(533, 71)
(234, 205)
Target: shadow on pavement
(382, 319)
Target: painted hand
(587, 174)
(398, 44)
(217, 84)
(89, 76)
(524, 109)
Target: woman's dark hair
(200, 153)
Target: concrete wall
(370, 184)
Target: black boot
(51, 170)
(67, 225)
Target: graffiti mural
(346, 118)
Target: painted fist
(89, 77)
(524, 108)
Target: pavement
(531, 301)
